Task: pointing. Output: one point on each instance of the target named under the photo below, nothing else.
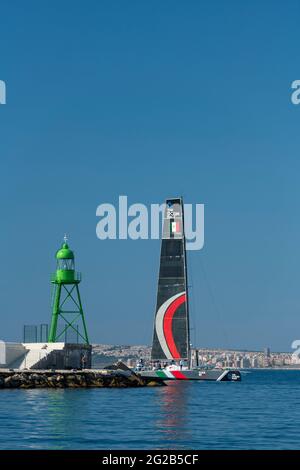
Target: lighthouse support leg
(55, 313)
(82, 316)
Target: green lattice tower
(66, 291)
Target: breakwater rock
(72, 379)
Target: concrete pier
(44, 355)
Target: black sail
(171, 324)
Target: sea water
(261, 412)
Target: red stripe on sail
(167, 325)
(179, 375)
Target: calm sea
(261, 412)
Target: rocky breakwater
(27, 379)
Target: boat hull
(214, 375)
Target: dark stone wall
(68, 379)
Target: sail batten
(171, 325)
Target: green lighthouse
(67, 307)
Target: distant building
(245, 363)
(267, 352)
(295, 359)
(254, 362)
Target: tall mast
(188, 333)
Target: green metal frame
(61, 294)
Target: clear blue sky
(152, 99)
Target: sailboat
(171, 347)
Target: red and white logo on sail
(164, 324)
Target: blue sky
(152, 99)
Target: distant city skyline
(104, 354)
(152, 101)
